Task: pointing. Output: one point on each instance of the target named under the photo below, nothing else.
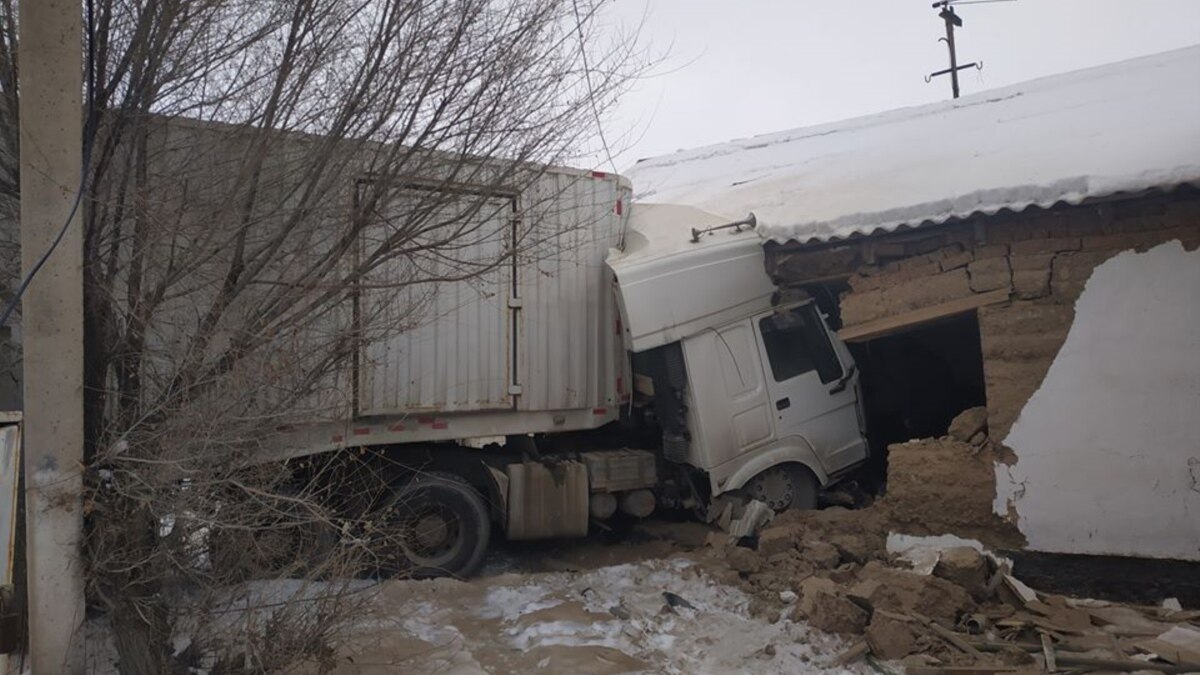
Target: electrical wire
(88, 137)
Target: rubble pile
(898, 580)
(961, 612)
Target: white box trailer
(535, 335)
(531, 345)
(615, 365)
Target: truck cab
(767, 398)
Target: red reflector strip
(618, 207)
(599, 411)
(441, 425)
(599, 174)
(362, 431)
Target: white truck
(644, 362)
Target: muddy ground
(658, 602)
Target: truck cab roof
(672, 285)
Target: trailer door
(435, 317)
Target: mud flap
(499, 494)
(546, 502)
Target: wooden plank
(1048, 653)
(947, 635)
(894, 324)
(1071, 659)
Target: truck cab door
(812, 385)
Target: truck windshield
(797, 343)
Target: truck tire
(785, 487)
(434, 525)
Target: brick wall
(1042, 258)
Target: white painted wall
(1108, 449)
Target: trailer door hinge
(514, 389)
(515, 303)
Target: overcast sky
(737, 68)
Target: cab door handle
(783, 403)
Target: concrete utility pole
(52, 317)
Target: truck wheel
(784, 487)
(435, 525)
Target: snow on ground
(609, 620)
(612, 619)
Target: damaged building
(1032, 251)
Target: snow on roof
(1123, 127)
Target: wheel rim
(775, 487)
(431, 535)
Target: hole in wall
(915, 381)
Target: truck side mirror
(840, 386)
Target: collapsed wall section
(1020, 274)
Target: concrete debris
(743, 560)
(779, 539)
(717, 540)
(852, 548)
(890, 638)
(905, 592)
(945, 604)
(966, 567)
(754, 515)
(833, 612)
(810, 588)
(821, 554)
(968, 423)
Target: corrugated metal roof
(1123, 127)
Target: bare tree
(253, 166)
